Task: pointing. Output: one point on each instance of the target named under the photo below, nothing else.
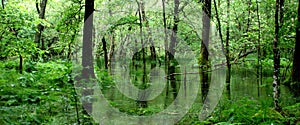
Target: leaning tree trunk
(296, 61)
(276, 81)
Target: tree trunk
(296, 61)
(276, 81)
(171, 67)
(112, 42)
(149, 36)
(87, 57)
(3, 4)
(228, 75)
(142, 104)
(111, 48)
(203, 59)
(105, 52)
(166, 52)
(174, 29)
(166, 36)
(249, 16)
(225, 50)
(40, 27)
(259, 66)
(21, 63)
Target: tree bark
(296, 61)
(142, 104)
(166, 35)
(21, 63)
(112, 42)
(105, 52)
(225, 49)
(87, 57)
(173, 44)
(276, 81)
(228, 75)
(203, 59)
(174, 29)
(166, 51)
(249, 16)
(3, 7)
(40, 27)
(149, 36)
(111, 48)
(259, 66)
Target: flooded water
(153, 92)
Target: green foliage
(17, 30)
(44, 95)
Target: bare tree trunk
(249, 15)
(166, 52)
(259, 66)
(225, 50)
(111, 48)
(112, 42)
(228, 75)
(171, 68)
(142, 104)
(276, 81)
(174, 29)
(149, 36)
(105, 52)
(87, 57)
(296, 61)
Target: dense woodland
(49, 46)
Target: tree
(296, 61)
(224, 49)
(276, 61)
(228, 75)
(259, 66)
(112, 40)
(41, 11)
(87, 57)
(105, 52)
(203, 59)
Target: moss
(203, 63)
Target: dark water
(244, 84)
